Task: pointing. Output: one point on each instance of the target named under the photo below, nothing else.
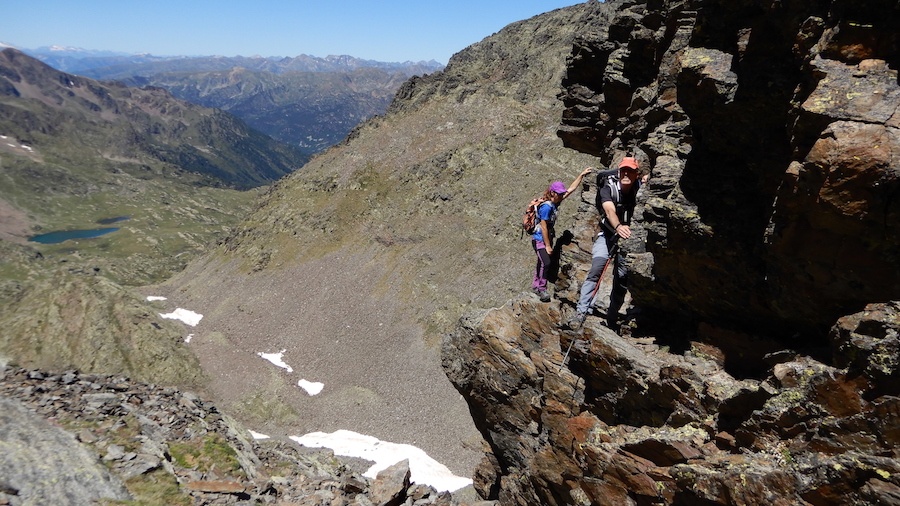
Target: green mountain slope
(77, 117)
(76, 154)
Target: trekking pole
(612, 254)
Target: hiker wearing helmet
(616, 199)
(544, 233)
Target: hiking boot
(576, 321)
(613, 324)
(544, 295)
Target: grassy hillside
(76, 154)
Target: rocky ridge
(771, 132)
(601, 418)
(73, 438)
(759, 364)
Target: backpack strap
(612, 182)
(537, 209)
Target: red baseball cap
(629, 162)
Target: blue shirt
(546, 212)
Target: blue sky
(391, 30)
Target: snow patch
(188, 317)
(276, 358)
(423, 469)
(311, 387)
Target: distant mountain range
(310, 110)
(307, 101)
(77, 116)
(116, 65)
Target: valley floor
(379, 377)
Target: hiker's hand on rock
(586, 171)
(624, 231)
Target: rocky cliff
(600, 418)
(771, 131)
(762, 366)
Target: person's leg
(539, 284)
(538, 269)
(599, 254)
(619, 289)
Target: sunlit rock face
(601, 418)
(772, 134)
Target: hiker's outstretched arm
(622, 230)
(575, 184)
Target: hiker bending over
(616, 199)
(542, 238)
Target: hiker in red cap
(616, 199)
(544, 233)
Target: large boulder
(43, 464)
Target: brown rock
(389, 488)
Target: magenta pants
(543, 263)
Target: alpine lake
(59, 236)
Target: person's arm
(575, 184)
(621, 229)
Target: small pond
(65, 235)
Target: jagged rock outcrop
(598, 418)
(772, 133)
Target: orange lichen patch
(580, 426)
